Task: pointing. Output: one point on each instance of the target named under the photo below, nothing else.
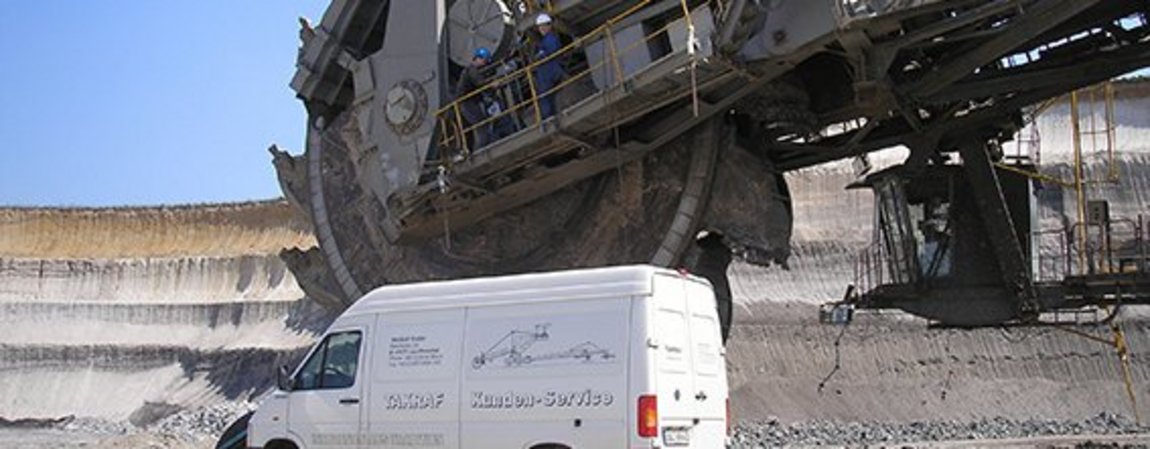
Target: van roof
(590, 283)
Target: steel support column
(999, 225)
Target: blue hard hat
(482, 52)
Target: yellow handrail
(578, 42)
(530, 4)
(570, 80)
(534, 98)
(1076, 137)
(615, 55)
(459, 127)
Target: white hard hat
(542, 19)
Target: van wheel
(281, 444)
(236, 435)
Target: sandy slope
(252, 228)
(104, 311)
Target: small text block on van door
(419, 346)
(415, 395)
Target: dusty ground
(59, 439)
(893, 368)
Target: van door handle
(702, 396)
(349, 401)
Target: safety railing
(1117, 246)
(514, 101)
(1096, 126)
(1112, 247)
(874, 266)
(871, 268)
(529, 7)
(1093, 131)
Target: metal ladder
(898, 236)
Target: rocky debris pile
(188, 428)
(1097, 445)
(200, 423)
(95, 426)
(772, 433)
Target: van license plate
(676, 436)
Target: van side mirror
(283, 379)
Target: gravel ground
(188, 429)
(205, 422)
(199, 428)
(772, 433)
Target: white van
(623, 357)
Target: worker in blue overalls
(472, 108)
(549, 73)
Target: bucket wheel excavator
(675, 122)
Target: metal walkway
(464, 186)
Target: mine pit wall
(892, 368)
(175, 280)
(110, 324)
(257, 227)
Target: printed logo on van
(517, 348)
(413, 401)
(587, 398)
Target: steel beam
(999, 225)
(1106, 65)
(1043, 16)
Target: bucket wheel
(648, 211)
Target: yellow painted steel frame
(1109, 130)
(1118, 342)
(458, 133)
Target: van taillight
(648, 416)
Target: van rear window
(672, 328)
(705, 333)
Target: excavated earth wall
(132, 314)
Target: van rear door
(675, 379)
(709, 398)
(691, 380)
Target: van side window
(332, 365)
